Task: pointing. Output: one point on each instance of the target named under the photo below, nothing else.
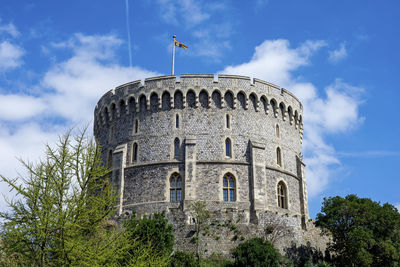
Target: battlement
(202, 89)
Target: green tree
(183, 259)
(256, 252)
(200, 214)
(63, 212)
(153, 230)
(364, 232)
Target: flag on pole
(179, 44)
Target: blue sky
(341, 58)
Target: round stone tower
(233, 143)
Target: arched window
(166, 101)
(228, 148)
(242, 100)
(136, 126)
(178, 100)
(191, 99)
(277, 131)
(142, 103)
(176, 121)
(282, 109)
(228, 99)
(154, 102)
(132, 105)
(134, 152)
(229, 188)
(203, 99)
(228, 121)
(176, 147)
(175, 188)
(282, 195)
(278, 157)
(216, 98)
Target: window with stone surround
(228, 148)
(176, 148)
(282, 195)
(228, 121)
(134, 152)
(279, 156)
(176, 121)
(277, 133)
(175, 188)
(229, 188)
(136, 127)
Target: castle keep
(233, 143)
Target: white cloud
(336, 112)
(79, 82)
(66, 97)
(273, 60)
(26, 142)
(9, 29)
(338, 54)
(19, 107)
(10, 55)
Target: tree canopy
(364, 232)
(63, 213)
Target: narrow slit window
(228, 121)
(175, 191)
(176, 147)
(228, 148)
(278, 157)
(229, 188)
(176, 121)
(134, 152)
(136, 127)
(277, 131)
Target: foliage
(303, 254)
(364, 232)
(256, 252)
(201, 214)
(63, 212)
(154, 230)
(183, 259)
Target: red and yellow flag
(179, 44)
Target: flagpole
(173, 54)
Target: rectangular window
(225, 194)
(172, 195)
(177, 121)
(228, 123)
(178, 194)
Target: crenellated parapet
(199, 90)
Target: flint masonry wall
(141, 119)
